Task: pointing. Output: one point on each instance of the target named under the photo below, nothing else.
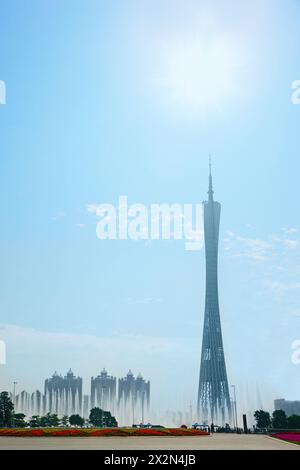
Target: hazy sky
(109, 98)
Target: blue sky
(109, 98)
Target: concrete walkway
(214, 442)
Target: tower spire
(210, 187)
(213, 393)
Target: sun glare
(200, 75)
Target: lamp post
(233, 412)
(234, 394)
(15, 383)
(132, 409)
(143, 400)
(14, 401)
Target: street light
(233, 413)
(143, 399)
(234, 394)
(15, 383)
(132, 396)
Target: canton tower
(213, 394)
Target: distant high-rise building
(213, 393)
(24, 402)
(63, 395)
(126, 387)
(142, 390)
(29, 404)
(133, 397)
(36, 403)
(103, 391)
(86, 406)
(133, 388)
(289, 407)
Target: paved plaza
(213, 442)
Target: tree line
(8, 418)
(278, 420)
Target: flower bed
(288, 436)
(100, 432)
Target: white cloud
(258, 249)
(145, 301)
(292, 244)
(37, 338)
(59, 215)
(282, 287)
(252, 248)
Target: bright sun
(200, 75)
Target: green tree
(49, 421)
(76, 420)
(109, 421)
(35, 421)
(263, 419)
(19, 420)
(54, 420)
(96, 417)
(65, 421)
(44, 421)
(279, 419)
(293, 422)
(6, 410)
(101, 419)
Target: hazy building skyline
(63, 395)
(290, 407)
